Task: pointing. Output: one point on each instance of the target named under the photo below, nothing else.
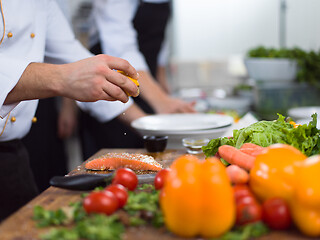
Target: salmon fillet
(135, 161)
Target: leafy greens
(305, 137)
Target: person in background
(133, 30)
(41, 34)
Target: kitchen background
(209, 40)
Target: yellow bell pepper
(197, 198)
(273, 173)
(283, 171)
(305, 204)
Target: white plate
(303, 112)
(180, 123)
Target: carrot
(237, 175)
(251, 149)
(251, 145)
(234, 156)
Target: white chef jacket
(37, 31)
(112, 25)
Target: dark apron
(16, 179)
(48, 156)
(150, 23)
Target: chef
(133, 30)
(33, 31)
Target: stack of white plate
(179, 126)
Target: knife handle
(81, 182)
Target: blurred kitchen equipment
(299, 113)
(271, 99)
(271, 69)
(196, 95)
(307, 120)
(179, 126)
(155, 143)
(194, 145)
(237, 103)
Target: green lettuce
(305, 137)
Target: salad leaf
(305, 137)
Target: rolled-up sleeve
(10, 73)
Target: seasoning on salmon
(135, 161)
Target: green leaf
(100, 227)
(47, 217)
(60, 234)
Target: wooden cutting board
(20, 225)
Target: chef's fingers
(122, 65)
(187, 108)
(128, 87)
(114, 92)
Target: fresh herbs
(47, 217)
(143, 206)
(74, 223)
(308, 62)
(248, 231)
(94, 226)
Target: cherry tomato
(248, 213)
(276, 214)
(126, 177)
(120, 192)
(160, 178)
(100, 202)
(240, 191)
(246, 200)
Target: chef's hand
(87, 80)
(94, 79)
(175, 105)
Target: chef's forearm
(150, 90)
(39, 80)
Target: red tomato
(276, 214)
(100, 202)
(240, 191)
(160, 178)
(126, 177)
(246, 200)
(120, 192)
(248, 213)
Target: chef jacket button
(34, 119)
(13, 119)
(32, 35)
(10, 35)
